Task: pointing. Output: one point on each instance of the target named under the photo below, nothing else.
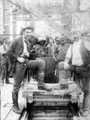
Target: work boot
(43, 87)
(15, 103)
(85, 113)
(41, 84)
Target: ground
(6, 102)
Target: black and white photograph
(44, 59)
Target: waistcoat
(85, 53)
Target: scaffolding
(17, 12)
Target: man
(61, 50)
(78, 62)
(4, 62)
(18, 51)
(60, 54)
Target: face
(39, 50)
(57, 40)
(50, 41)
(27, 33)
(75, 38)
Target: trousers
(62, 74)
(81, 78)
(20, 70)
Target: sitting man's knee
(41, 63)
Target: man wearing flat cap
(18, 52)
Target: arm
(11, 51)
(12, 54)
(53, 53)
(68, 58)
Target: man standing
(19, 49)
(78, 62)
(4, 62)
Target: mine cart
(46, 105)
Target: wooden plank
(30, 88)
(48, 103)
(50, 96)
(29, 93)
(49, 108)
(49, 113)
(52, 118)
(51, 100)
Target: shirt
(25, 50)
(3, 48)
(74, 54)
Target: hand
(66, 66)
(21, 59)
(25, 54)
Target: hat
(62, 40)
(41, 42)
(57, 38)
(24, 28)
(86, 33)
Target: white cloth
(3, 49)
(25, 50)
(74, 54)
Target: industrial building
(60, 19)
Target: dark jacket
(61, 51)
(16, 49)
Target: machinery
(43, 105)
